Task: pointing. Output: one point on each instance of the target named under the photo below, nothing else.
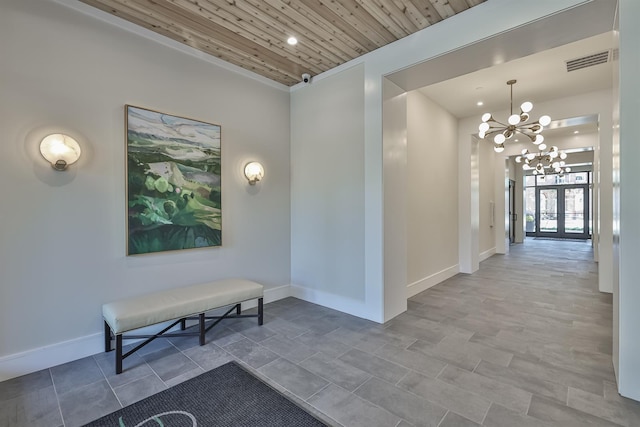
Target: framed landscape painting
(173, 182)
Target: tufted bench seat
(179, 304)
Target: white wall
(487, 194)
(615, 172)
(327, 192)
(62, 234)
(629, 291)
(432, 193)
(394, 125)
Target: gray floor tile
(558, 375)
(36, 409)
(208, 356)
(25, 384)
(526, 382)
(350, 410)
(616, 412)
(414, 360)
(257, 333)
(285, 328)
(73, 375)
(374, 365)
(454, 420)
(448, 396)
(499, 416)
(133, 367)
(553, 412)
(253, 354)
(505, 394)
(363, 342)
(447, 354)
(287, 348)
(324, 344)
(87, 403)
(169, 363)
(416, 410)
(336, 371)
(139, 389)
(297, 380)
(222, 336)
(185, 376)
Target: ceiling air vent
(588, 61)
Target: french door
(562, 211)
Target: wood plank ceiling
(253, 33)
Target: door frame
(561, 233)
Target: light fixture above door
(516, 123)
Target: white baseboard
(486, 254)
(429, 281)
(351, 306)
(15, 365)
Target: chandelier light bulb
(531, 156)
(499, 138)
(526, 107)
(567, 169)
(486, 117)
(558, 169)
(519, 159)
(484, 127)
(563, 155)
(555, 165)
(482, 135)
(538, 140)
(562, 163)
(524, 152)
(542, 146)
(498, 148)
(514, 119)
(545, 120)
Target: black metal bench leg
(238, 309)
(107, 338)
(202, 330)
(260, 317)
(183, 324)
(119, 354)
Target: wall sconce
(254, 172)
(60, 150)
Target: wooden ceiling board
(253, 34)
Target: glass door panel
(530, 209)
(548, 198)
(574, 210)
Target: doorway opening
(558, 206)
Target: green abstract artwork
(173, 182)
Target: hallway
(525, 341)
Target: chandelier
(516, 123)
(539, 162)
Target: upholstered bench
(180, 305)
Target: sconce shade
(254, 172)
(60, 150)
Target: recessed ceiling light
(292, 41)
(576, 131)
(479, 103)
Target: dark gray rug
(225, 396)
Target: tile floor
(525, 341)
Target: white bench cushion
(145, 310)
